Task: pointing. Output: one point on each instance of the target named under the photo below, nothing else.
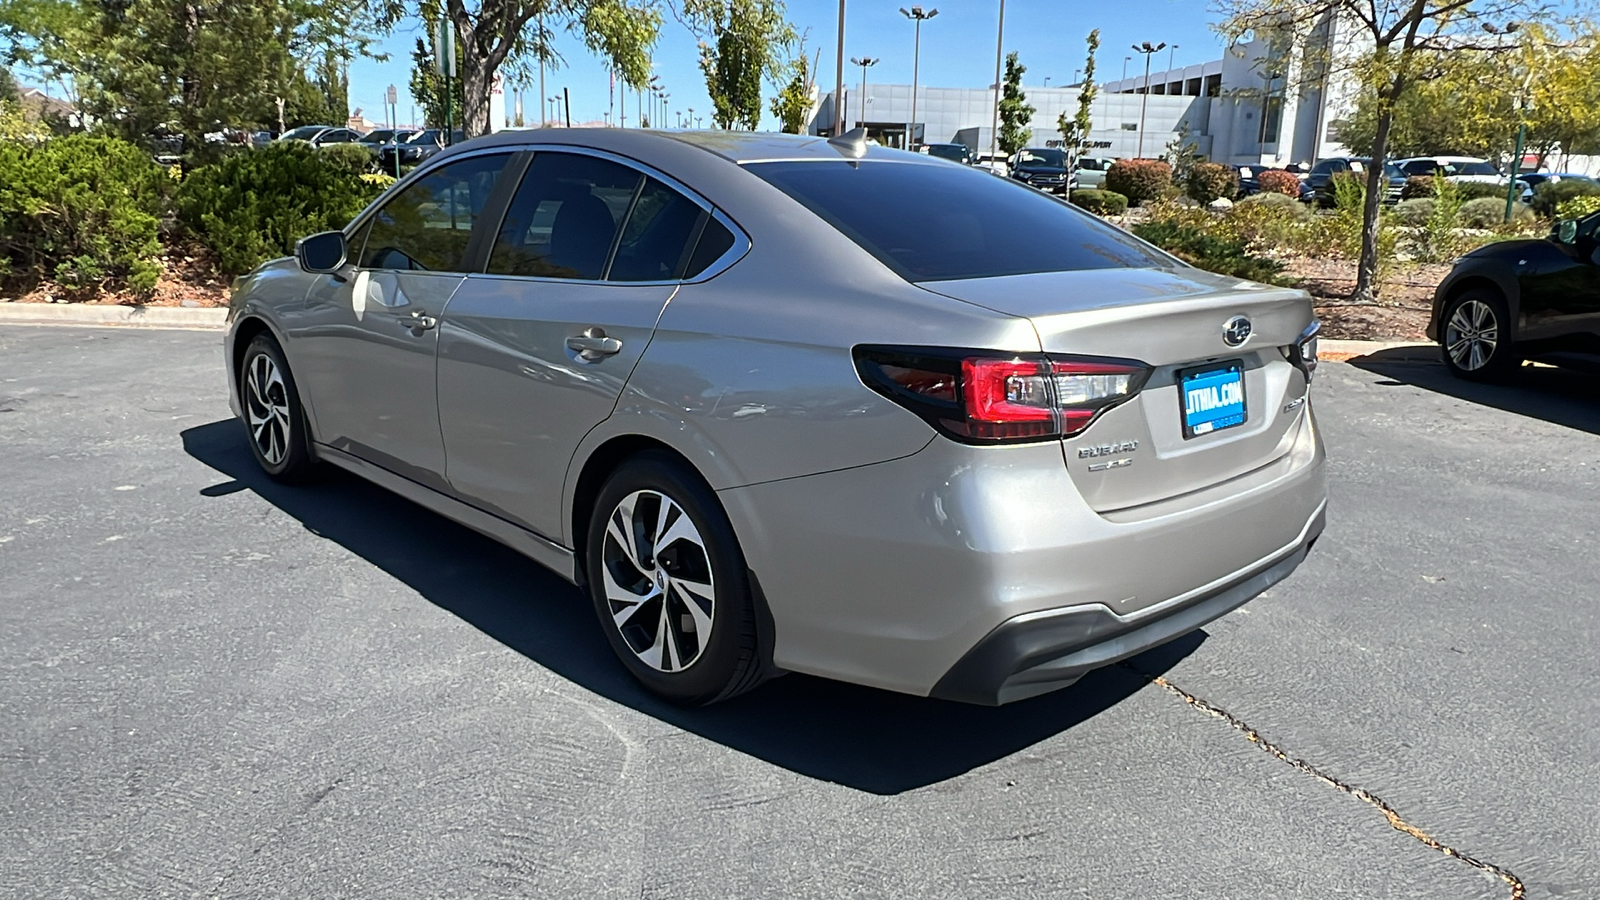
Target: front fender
(1489, 271)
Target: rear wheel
(1476, 339)
(669, 583)
(273, 417)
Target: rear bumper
(908, 574)
(1040, 652)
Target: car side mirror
(322, 254)
(1567, 231)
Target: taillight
(1303, 352)
(983, 397)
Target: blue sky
(957, 49)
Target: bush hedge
(1101, 203)
(1477, 190)
(252, 207)
(84, 210)
(1140, 180)
(1414, 212)
(353, 157)
(1418, 187)
(1551, 194)
(1490, 212)
(1578, 207)
(1277, 181)
(1201, 248)
(1210, 181)
(1276, 200)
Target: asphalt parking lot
(213, 685)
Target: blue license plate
(1212, 398)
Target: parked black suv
(960, 153)
(423, 145)
(1319, 183)
(1043, 167)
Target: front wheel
(273, 416)
(669, 583)
(1477, 341)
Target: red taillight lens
(991, 398)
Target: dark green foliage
(1418, 187)
(354, 158)
(1140, 180)
(1209, 181)
(252, 207)
(1547, 196)
(428, 87)
(83, 210)
(1224, 256)
(1490, 212)
(1477, 190)
(1280, 202)
(1101, 203)
(1015, 113)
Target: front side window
(933, 222)
(426, 227)
(564, 218)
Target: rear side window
(658, 232)
(714, 241)
(564, 217)
(934, 222)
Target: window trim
(741, 240)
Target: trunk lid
(1174, 321)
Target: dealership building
(1253, 106)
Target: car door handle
(418, 323)
(593, 344)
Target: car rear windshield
(1475, 168)
(931, 222)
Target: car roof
(735, 146)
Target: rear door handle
(593, 344)
(418, 323)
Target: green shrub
(1551, 194)
(1140, 180)
(354, 157)
(1277, 181)
(83, 210)
(1210, 181)
(1415, 212)
(1477, 190)
(1418, 187)
(252, 207)
(1490, 212)
(1206, 250)
(1101, 203)
(1578, 207)
(1275, 200)
(1439, 238)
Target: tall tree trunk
(1377, 187)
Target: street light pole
(999, 55)
(863, 62)
(917, 15)
(1144, 104)
(1171, 51)
(1125, 60)
(838, 88)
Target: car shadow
(871, 740)
(1559, 396)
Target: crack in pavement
(1396, 821)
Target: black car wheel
(1476, 337)
(273, 417)
(669, 583)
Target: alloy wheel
(1472, 335)
(657, 579)
(266, 402)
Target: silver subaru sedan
(783, 403)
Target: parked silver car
(785, 403)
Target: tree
(793, 100)
(427, 85)
(1182, 152)
(511, 34)
(1015, 113)
(741, 43)
(1075, 131)
(1387, 48)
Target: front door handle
(418, 322)
(593, 344)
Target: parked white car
(1460, 169)
(994, 162)
(1091, 172)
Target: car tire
(680, 615)
(1476, 338)
(274, 420)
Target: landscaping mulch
(1405, 299)
(190, 279)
